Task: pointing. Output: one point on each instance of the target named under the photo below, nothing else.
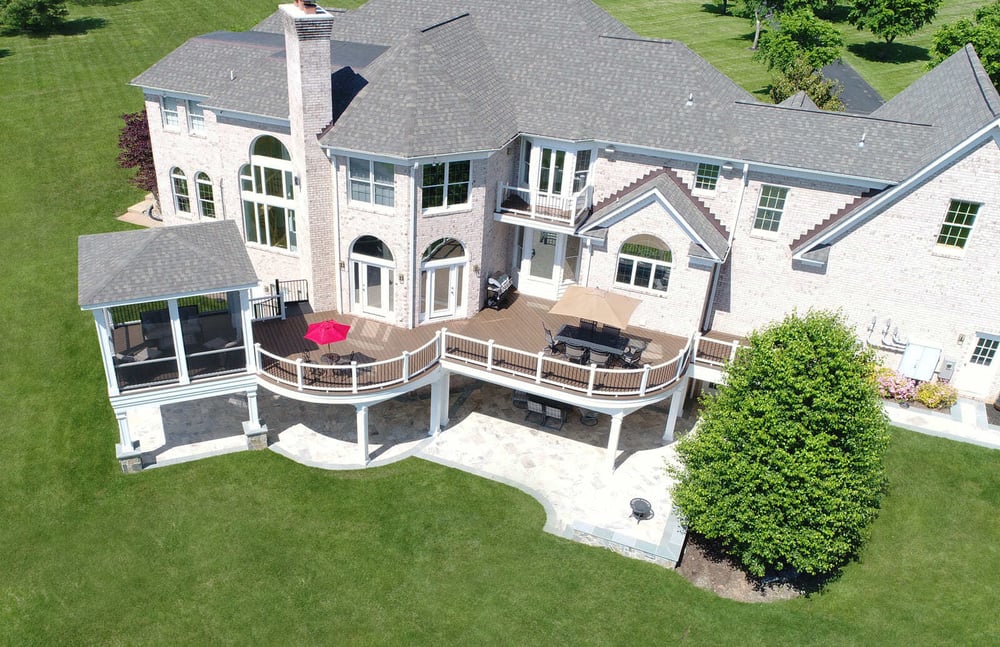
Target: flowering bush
(936, 395)
(893, 385)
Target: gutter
(413, 245)
(336, 242)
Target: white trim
(644, 200)
(887, 197)
(167, 297)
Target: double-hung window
(707, 177)
(171, 112)
(958, 224)
(644, 262)
(179, 183)
(446, 185)
(770, 208)
(372, 182)
(206, 195)
(196, 118)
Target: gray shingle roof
(157, 263)
(464, 75)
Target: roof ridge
(834, 218)
(701, 206)
(989, 91)
(850, 115)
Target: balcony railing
(714, 352)
(567, 210)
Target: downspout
(706, 318)
(413, 244)
(337, 258)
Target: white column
(616, 430)
(246, 317)
(104, 338)
(436, 406)
(445, 381)
(362, 421)
(124, 436)
(676, 406)
(178, 333)
(254, 417)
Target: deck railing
(545, 369)
(348, 378)
(713, 351)
(269, 307)
(567, 209)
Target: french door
(372, 288)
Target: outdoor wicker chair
(576, 354)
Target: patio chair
(600, 357)
(576, 354)
(556, 415)
(611, 330)
(588, 326)
(632, 357)
(554, 347)
(535, 408)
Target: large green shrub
(786, 467)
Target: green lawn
(724, 40)
(251, 548)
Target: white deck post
(104, 337)
(254, 413)
(362, 421)
(129, 457)
(124, 435)
(616, 430)
(246, 320)
(445, 381)
(676, 406)
(180, 352)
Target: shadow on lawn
(879, 52)
(80, 26)
(101, 3)
(4, 52)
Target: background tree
(983, 31)
(136, 151)
(786, 466)
(802, 76)
(799, 34)
(31, 16)
(889, 19)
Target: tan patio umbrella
(596, 304)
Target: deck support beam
(613, 437)
(676, 408)
(362, 421)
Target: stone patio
(487, 435)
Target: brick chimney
(307, 58)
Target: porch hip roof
(162, 262)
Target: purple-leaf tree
(136, 151)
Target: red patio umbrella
(327, 332)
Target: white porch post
(362, 422)
(676, 406)
(439, 401)
(178, 334)
(616, 430)
(246, 318)
(107, 349)
(254, 413)
(445, 381)
(124, 436)
(129, 458)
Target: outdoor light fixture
(610, 149)
(727, 166)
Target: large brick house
(397, 155)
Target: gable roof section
(708, 231)
(957, 97)
(151, 264)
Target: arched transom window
(268, 191)
(644, 262)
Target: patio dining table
(603, 342)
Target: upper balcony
(548, 208)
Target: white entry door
(372, 288)
(976, 375)
(442, 291)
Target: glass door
(551, 171)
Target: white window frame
(773, 211)
(181, 192)
(706, 176)
(195, 118)
(206, 205)
(260, 205)
(663, 267)
(954, 236)
(171, 115)
(447, 183)
(985, 351)
(371, 183)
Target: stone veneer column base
(256, 436)
(129, 459)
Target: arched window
(267, 188)
(206, 195)
(179, 183)
(644, 262)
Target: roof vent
(232, 75)
(861, 142)
(690, 99)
